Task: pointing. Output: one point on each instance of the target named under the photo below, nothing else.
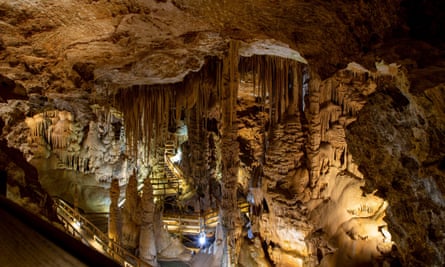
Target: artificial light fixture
(385, 233)
(77, 224)
(177, 158)
(202, 239)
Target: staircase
(169, 185)
(81, 228)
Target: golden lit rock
(231, 133)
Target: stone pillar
(130, 219)
(295, 97)
(147, 242)
(113, 233)
(230, 156)
(313, 146)
(198, 142)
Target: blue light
(202, 239)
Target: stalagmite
(147, 242)
(130, 215)
(113, 232)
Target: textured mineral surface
(232, 133)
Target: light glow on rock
(202, 239)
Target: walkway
(81, 228)
(191, 224)
(28, 240)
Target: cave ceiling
(55, 43)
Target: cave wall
(405, 136)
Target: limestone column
(230, 156)
(130, 220)
(295, 97)
(313, 147)
(198, 142)
(113, 232)
(147, 242)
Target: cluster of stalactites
(39, 125)
(197, 91)
(74, 161)
(55, 127)
(274, 79)
(144, 109)
(338, 100)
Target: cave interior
(226, 133)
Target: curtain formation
(146, 107)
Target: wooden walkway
(20, 245)
(28, 240)
(79, 227)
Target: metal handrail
(193, 221)
(90, 233)
(175, 170)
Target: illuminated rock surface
(288, 133)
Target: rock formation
(147, 241)
(131, 215)
(114, 217)
(304, 133)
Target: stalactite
(228, 81)
(327, 91)
(328, 116)
(144, 109)
(59, 133)
(156, 156)
(337, 140)
(202, 86)
(38, 125)
(55, 127)
(352, 105)
(270, 75)
(73, 161)
(296, 93)
(340, 94)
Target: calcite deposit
(232, 133)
